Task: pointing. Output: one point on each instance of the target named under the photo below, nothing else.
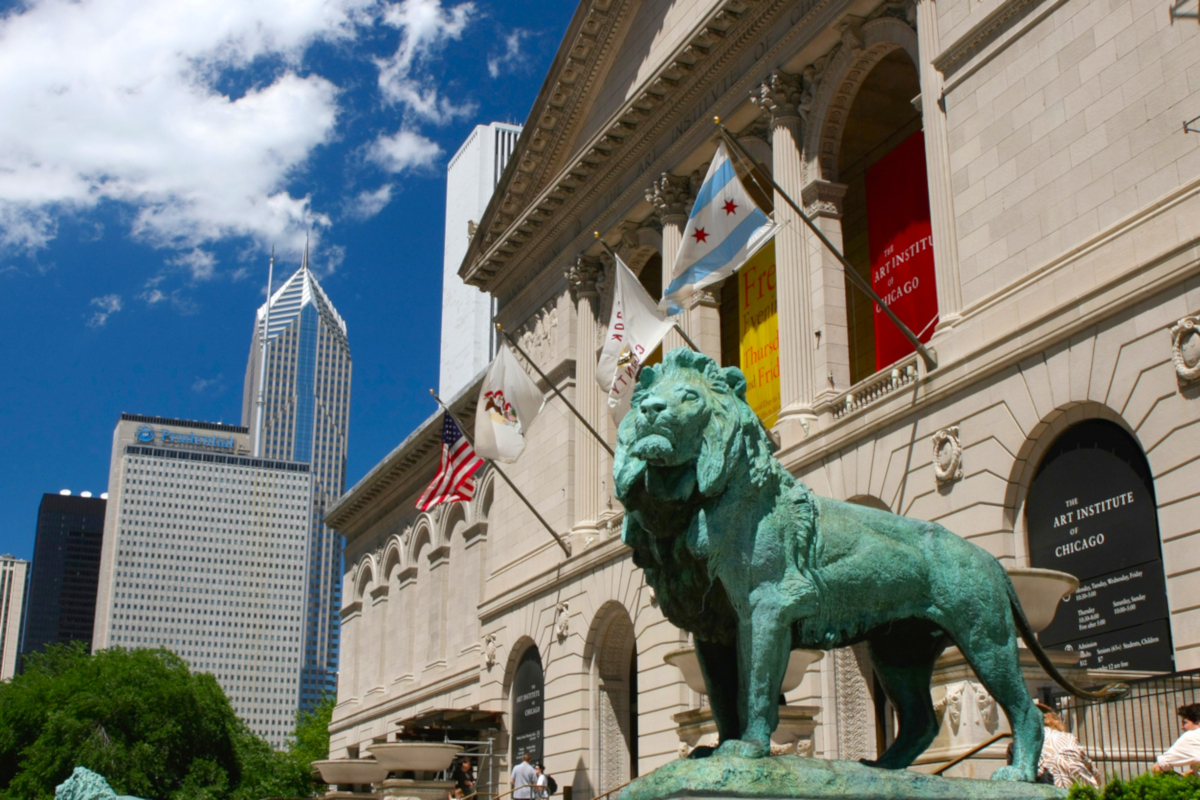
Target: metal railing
(1126, 735)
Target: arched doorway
(528, 707)
(886, 229)
(615, 670)
(1092, 513)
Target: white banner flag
(509, 401)
(635, 328)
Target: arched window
(1092, 513)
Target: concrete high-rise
(298, 384)
(468, 335)
(205, 555)
(13, 583)
(66, 564)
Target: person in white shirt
(524, 779)
(543, 788)
(1186, 750)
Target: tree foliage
(141, 719)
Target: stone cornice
(720, 37)
(454, 680)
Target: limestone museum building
(1011, 176)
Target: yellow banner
(758, 327)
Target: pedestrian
(524, 779)
(464, 776)
(1063, 757)
(542, 789)
(1186, 750)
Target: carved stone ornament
(537, 335)
(779, 96)
(671, 196)
(949, 707)
(989, 710)
(562, 622)
(583, 275)
(947, 455)
(1185, 348)
(489, 651)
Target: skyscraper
(66, 566)
(13, 583)
(301, 377)
(204, 554)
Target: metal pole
(554, 389)
(858, 280)
(463, 429)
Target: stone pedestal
(395, 788)
(792, 737)
(335, 794)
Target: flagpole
(687, 339)
(858, 280)
(554, 389)
(463, 430)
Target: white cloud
(425, 26)
(511, 57)
(108, 304)
(200, 385)
(369, 203)
(200, 263)
(403, 150)
(116, 101)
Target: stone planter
(684, 659)
(347, 771)
(1040, 591)
(415, 756)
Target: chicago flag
(725, 229)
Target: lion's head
(690, 428)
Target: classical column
(671, 196)
(582, 278)
(937, 165)
(779, 97)
(823, 202)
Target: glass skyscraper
(305, 399)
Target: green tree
(142, 720)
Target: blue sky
(151, 154)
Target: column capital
(583, 275)
(671, 196)
(781, 97)
(823, 198)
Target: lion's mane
(736, 457)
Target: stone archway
(614, 663)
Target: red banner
(901, 248)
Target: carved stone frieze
(947, 455)
(537, 335)
(1185, 348)
(671, 196)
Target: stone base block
(796, 778)
(399, 788)
(792, 737)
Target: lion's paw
(743, 748)
(1010, 773)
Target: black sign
(528, 717)
(1120, 599)
(1142, 647)
(1091, 513)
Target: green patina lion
(754, 564)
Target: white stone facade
(14, 582)
(1065, 209)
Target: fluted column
(671, 196)
(779, 97)
(937, 165)
(582, 278)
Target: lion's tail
(1109, 692)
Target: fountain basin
(415, 756)
(340, 771)
(684, 659)
(1040, 591)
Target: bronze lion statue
(754, 564)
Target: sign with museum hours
(758, 331)
(529, 686)
(900, 244)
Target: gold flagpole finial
(431, 391)
(499, 327)
(596, 234)
(716, 120)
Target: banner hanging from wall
(758, 331)
(901, 248)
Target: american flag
(453, 482)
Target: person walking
(464, 776)
(1063, 757)
(543, 788)
(1186, 750)
(524, 779)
